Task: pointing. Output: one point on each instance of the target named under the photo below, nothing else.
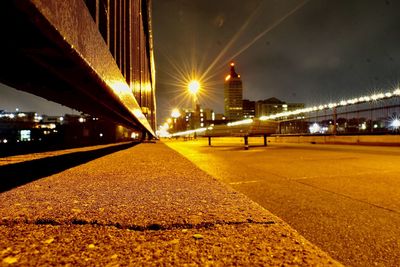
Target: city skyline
(313, 52)
(317, 52)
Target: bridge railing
(95, 56)
(374, 114)
(372, 117)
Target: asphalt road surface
(344, 199)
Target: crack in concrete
(132, 227)
(348, 197)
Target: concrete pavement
(145, 205)
(345, 199)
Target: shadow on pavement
(17, 174)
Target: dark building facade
(249, 108)
(273, 105)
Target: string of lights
(342, 103)
(353, 101)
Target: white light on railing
(199, 130)
(242, 122)
(353, 101)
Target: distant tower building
(233, 96)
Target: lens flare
(394, 123)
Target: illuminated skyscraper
(233, 95)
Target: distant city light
(5, 141)
(163, 131)
(81, 120)
(315, 128)
(395, 123)
(364, 126)
(101, 135)
(25, 135)
(175, 113)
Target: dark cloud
(11, 99)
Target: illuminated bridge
(375, 114)
(95, 56)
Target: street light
(194, 88)
(175, 113)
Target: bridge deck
(163, 211)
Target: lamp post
(194, 88)
(175, 114)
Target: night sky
(313, 51)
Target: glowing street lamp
(395, 123)
(175, 113)
(194, 88)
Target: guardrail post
(143, 139)
(334, 121)
(246, 143)
(265, 140)
(209, 141)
